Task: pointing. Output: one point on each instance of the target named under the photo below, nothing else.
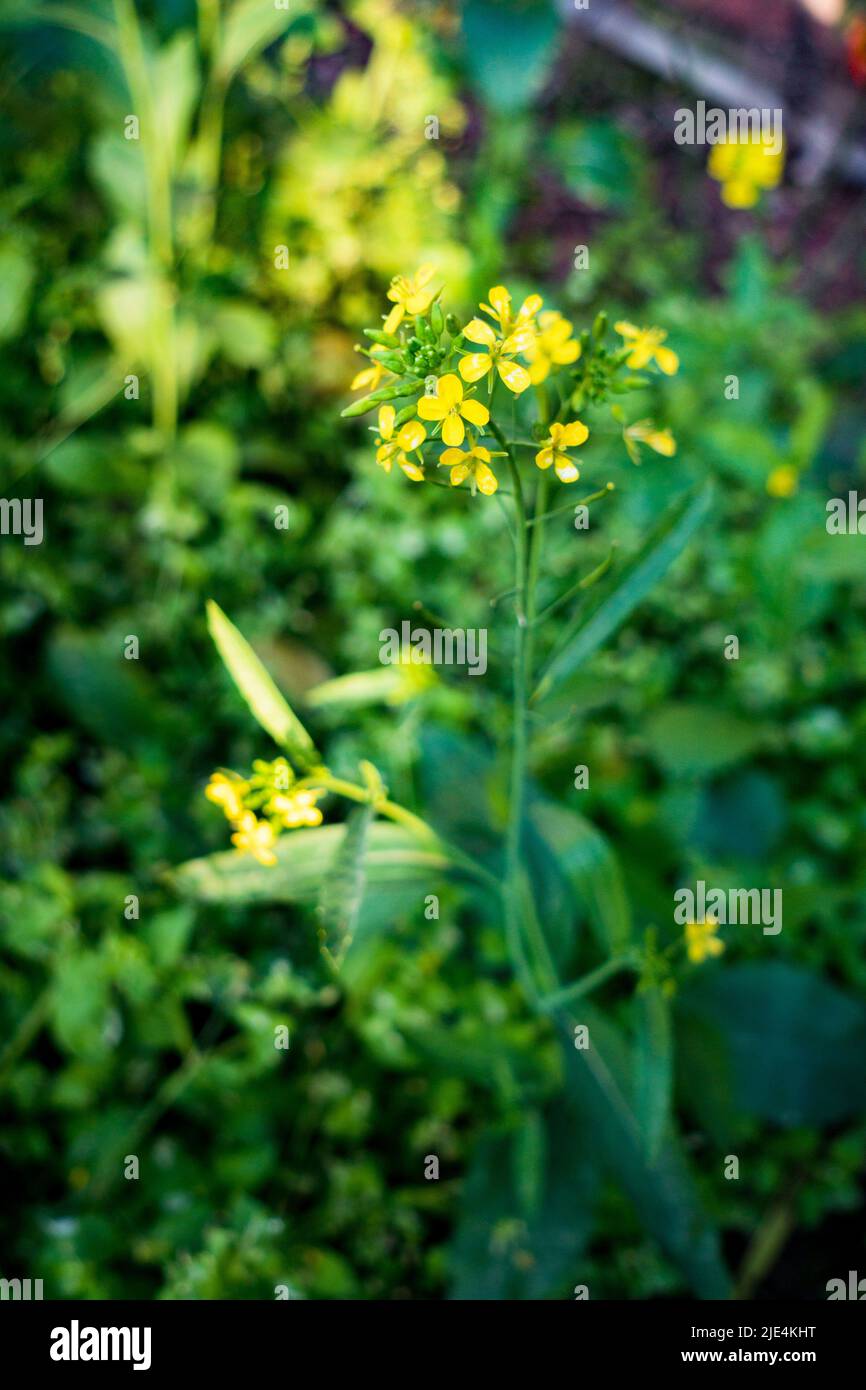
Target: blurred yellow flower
(228, 793)
(744, 168)
(553, 451)
(450, 409)
(472, 463)
(645, 344)
(297, 807)
(369, 377)
(393, 449)
(410, 296)
(701, 940)
(645, 432)
(553, 346)
(783, 481)
(255, 837)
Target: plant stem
(587, 983)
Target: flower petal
(544, 457)
(475, 366)
(386, 421)
(411, 435)
(515, 377)
(566, 352)
(453, 430)
(459, 473)
(539, 370)
(477, 331)
(566, 471)
(486, 479)
(450, 389)
(521, 340)
(575, 433)
(530, 306)
(626, 329)
(476, 413)
(450, 457)
(667, 360)
(394, 319)
(500, 299)
(412, 470)
(432, 408)
(419, 303)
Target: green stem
(551, 1002)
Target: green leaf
(597, 161)
(248, 29)
(304, 857)
(665, 545)
(264, 699)
(653, 1067)
(17, 273)
(343, 886)
(518, 1238)
(793, 1044)
(591, 868)
(690, 740)
(663, 1192)
(509, 48)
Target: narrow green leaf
(653, 1068)
(264, 699)
(592, 870)
(393, 858)
(665, 544)
(663, 1193)
(343, 886)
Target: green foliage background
(154, 1036)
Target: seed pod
(437, 320)
(599, 328)
(385, 393)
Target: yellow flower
(390, 449)
(499, 354)
(471, 463)
(552, 451)
(255, 837)
(227, 792)
(646, 347)
(645, 432)
(499, 310)
(783, 481)
(369, 377)
(414, 678)
(701, 940)
(410, 296)
(448, 406)
(553, 346)
(297, 808)
(744, 167)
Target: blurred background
(170, 376)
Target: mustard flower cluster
(260, 807)
(434, 383)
